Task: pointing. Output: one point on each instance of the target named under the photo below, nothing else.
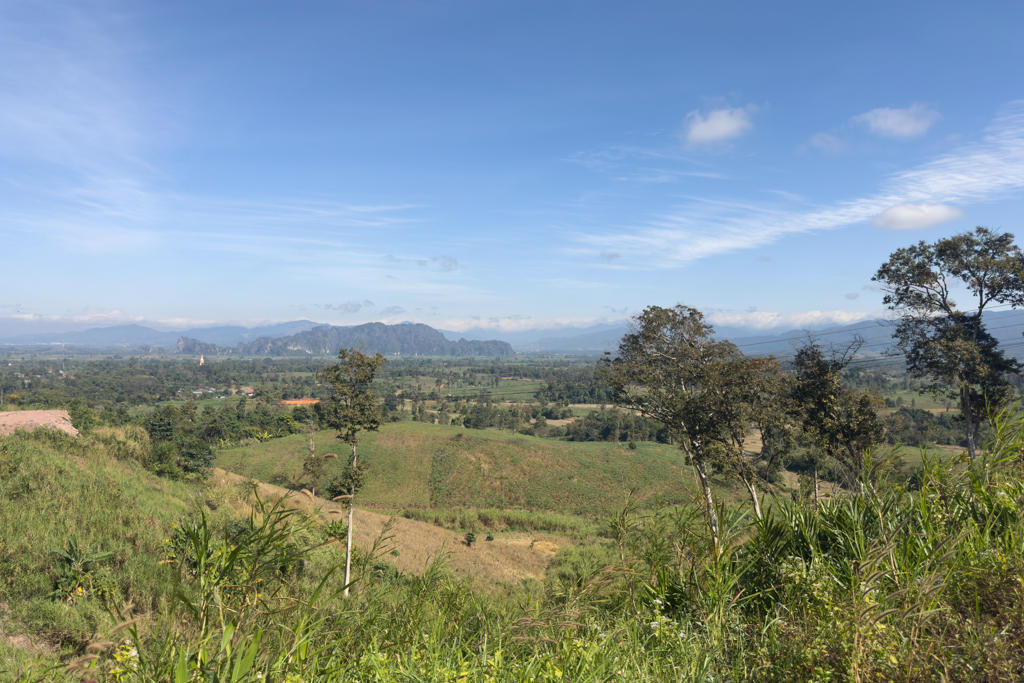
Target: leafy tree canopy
(942, 341)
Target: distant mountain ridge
(306, 337)
(139, 335)
(1005, 326)
(404, 339)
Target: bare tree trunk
(753, 496)
(702, 474)
(816, 504)
(348, 543)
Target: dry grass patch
(510, 558)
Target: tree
(351, 408)
(313, 466)
(940, 341)
(771, 412)
(842, 423)
(670, 367)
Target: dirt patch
(34, 419)
(546, 546)
(299, 401)
(24, 642)
(508, 558)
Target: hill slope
(510, 557)
(418, 465)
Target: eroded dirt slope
(509, 558)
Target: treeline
(616, 425)
(916, 427)
(134, 382)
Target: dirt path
(509, 558)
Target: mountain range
(305, 337)
(1005, 326)
(404, 339)
(138, 335)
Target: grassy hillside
(886, 584)
(58, 490)
(419, 465)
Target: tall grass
(493, 519)
(893, 583)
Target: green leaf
(243, 665)
(225, 642)
(181, 673)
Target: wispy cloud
(911, 122)
(83, 126)
(445, 263)
(74, 118)
(703, 227)
(643, 164)
(519, 323)
(347, 307)
(829, 144)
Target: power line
(886, 362)
(866, 327)
(867, 346)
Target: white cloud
(718, 125)
(827, 143)
(899, 123)
(347, 307)
(392, 311)
(703, 227)
(765, 320)
(517, 323)
(916, 216)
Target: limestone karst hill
(325, 340)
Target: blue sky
(511, 165)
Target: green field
(922, 401)
(508, 390)
(418, 465)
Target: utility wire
(866, 327)
(868, 346)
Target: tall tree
(844, 424)
(670, 367)
(352, 408)
(942, 342)
(771, 410)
